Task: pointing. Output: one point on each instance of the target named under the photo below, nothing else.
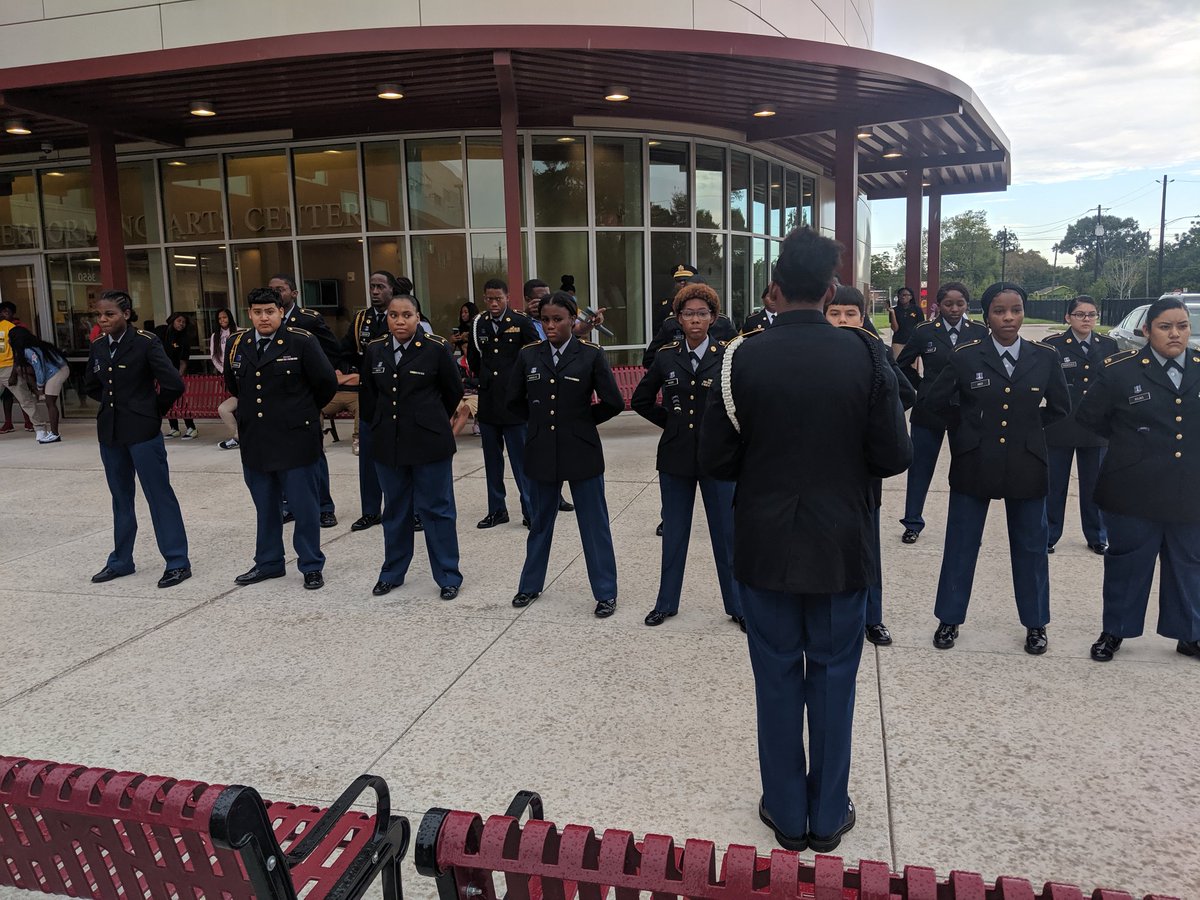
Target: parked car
(1128, 334)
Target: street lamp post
(1099, 235)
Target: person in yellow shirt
(9, 374)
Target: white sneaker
(230, 444)
(39, 435)
(190, 434)
(173, 433)
(48, 437)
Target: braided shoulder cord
(875, 349)
(475, 333)
(726, 381)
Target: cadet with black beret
(765, 317)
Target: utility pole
(1162, 227)
(1003, 252)
(1099, 234)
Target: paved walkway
(980, 758)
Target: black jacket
(1152, 468)
(1081, 370)
(409, 406)
(930, 343)
(123, 383)
(820, 418)
(998, 449)
(280, 397)
(563, 443)
(493, 357)
(314, 323)
(721, 330)
(684, 396)
(367, 325)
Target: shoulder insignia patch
(1120, 357)
(962, 347)
(722, 343)
(146, 334)
(670, 346)
(294, 330)
(920, 325)
(753, 331)
(588, 343)
(436, 338)
(1043, 345)
(534, 344)
(307, 312)
(378, 339)
(869, 334)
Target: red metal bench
(502, 860)
(627, 380)
(111, 835)
(204, 393)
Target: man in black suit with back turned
(807, 415)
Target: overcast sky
(1098, 98)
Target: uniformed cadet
(671, 330)
(122, 369)
(296, 316)
(1081, 352)
(684, 371)
(281, 378)
(497, 336)
(410, 389)
(551, 387)
(1002, 391)
(764, 318)
(931, 343)
(1147, 403)
(665, 306)
(804, 455)
(904, 315)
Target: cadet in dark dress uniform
(410, 389)
(551, 386)
(1147, 403)
(671, 330)
(122, 369)
(1082, 353)
(932, 343)
(764, 318)
(497, 336)
(282, 379)
(904, 316)
(684, 371)
(666, 306)
(997, 387)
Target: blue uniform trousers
(591, 512)
(494, 439)
(430, 489)
(1026, 552)
(148, 460)
(875, 591)
(927, 446)
(1135, 543)
(1089, 460)
(302, 486)
(805, 650)
(325, 498)
(370, 494)
(678, 501)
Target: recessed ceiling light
(56, 174)
(617, 93)
(333, 152)
(653, 143)
(202, 108)
(93, 259)
(926, 184)
(566, 139)
(389, 92)
(764, 111)
(890, 152)
(864, 134)
(177, 162)
(17, 126)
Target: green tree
(1181, 262)
(970, 253)
(1122, 239)
(884, 275)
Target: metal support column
(912, 233)
(502, 60)
(845, 195)
(934, 279)
(105, 192)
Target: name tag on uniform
(980, 383)
(288, 359)
(532, 377)
(122, 366)
(237, 363)
(378, 369)
(670, 382)
(1069, 364)
(929, 348)
(1140, 398)
(1035, 389)
(569, 378)
(96, 366)
(415, 372)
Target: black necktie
(695, 360)
(496, 327)
(953, 336)
(1172, 364)
(1083, 345)
(1008, 358)
(399, 354)
(263, 344)
(556, 357)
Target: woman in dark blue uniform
(1082, 353)
(1004, 390)
(931, 343)
(1147, 403)
(410, 387)
(124, 365)
(684, 371)
(551, 387)
(904, 315)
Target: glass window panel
(387, 253)
(75, 281)
(144, 280)
(565, 253)
(620, 285)
(327, 190)
(669, 178)
(439, 273)
(559, 181)
(740, 284)
(739, 192)
(760, 272)
(808, 199)
(618, 174)
(191, 189)
(259, 205)
(485, 181)
(139, 208)
(199, 284)
(385, 207)
(791, 201)
(18, 211)
(710, 261)
(253, 266)
(776, 210)
(710, 186)
(68, 211)
(759, 195)
(435, 184)
(332, 280)
(668, 249)
(489, 259)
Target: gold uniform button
(494, 374)
(690, 425)
(1178, 400)
(691, 396)
(691, 412)
(259, 400)
(394, 390)
(260, 415)
(110, 368)
(552, 412)
(551, 427)
(1178, 454)
(258, 387)
(1003, 424)
(393, 416)
(1086, 366)
(1005, 406)
(552, 381)
(1008, 390)
(1085, 378)
(497, 350)
(1179, 418)
(258, 374)
(551, 396)
(1002, 440)
(1179, 437)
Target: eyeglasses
(695, 314)
(1079, 315)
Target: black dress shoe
(1188, 648)
(255, 575)
(172, 577)
(1050, 548)
(492, 519)
(107, 574)
(288, 517)
(382, 587)
(1098, 549)
(449, 592)
(879, 635)
(655, 617)
(830, 843)
(740, 621)
(525, 521)
(328, 520)
(945, 636)
(605, 608)
(1106, 647)
(417, 524)
(787, 842)
(1035, 641)
(313, 581)
(523, 599)
(658, 530)
(365, 522)
(910, 536)
(564, 506)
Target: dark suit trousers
(678, 502)
(148, 460)
(370, 493)
(1089, 460)
(1134, 545)
(875, 591)
(805, 650)
(302, 486)
(429, 488)
(324, 497)
(591, 513)
(1026, 552)
(927, 446)
(494, 439)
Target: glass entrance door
(23, 282)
